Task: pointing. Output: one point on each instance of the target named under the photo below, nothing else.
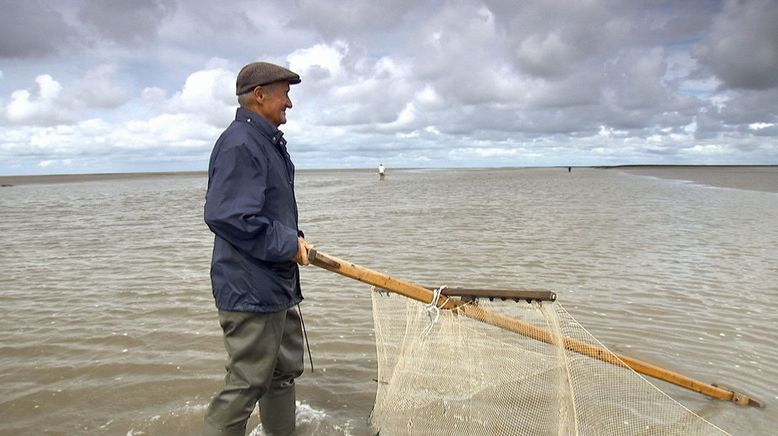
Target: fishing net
(440, 373)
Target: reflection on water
(107, 325)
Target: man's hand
(302, 251)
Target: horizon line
(192, 172)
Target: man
(251, 208)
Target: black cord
(305, 335)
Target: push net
(440, 373)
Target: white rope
(432, 307)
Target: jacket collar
(262, 124)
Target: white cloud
(498, 152)
(95, 136)
(760, 126)
(207, 94)
(42, 107)
(166, 130)
(185, 121)
(487, 82)
(55, 163)
(50, 103)
(429, 98)
(708, 150)
(154, 97)
(321, 62)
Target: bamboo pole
(475, 312)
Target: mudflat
(753, 178)
(8, 181)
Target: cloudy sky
(148, 85)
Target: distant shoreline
(7, 181)
(767, 180)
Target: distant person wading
(250, 206)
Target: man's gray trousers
(265, 355)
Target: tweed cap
(261, 73)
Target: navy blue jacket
(251, 208)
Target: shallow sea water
(107, 324)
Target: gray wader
(265, 355)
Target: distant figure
(569, 169)
(381, 171)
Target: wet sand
(752, 178)
(10, 181)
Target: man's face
(275, 102)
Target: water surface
(107, 324)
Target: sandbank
(9, 181)
(754, 178)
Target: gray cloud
(32, 29)
(100, 88)
(742, 45)
(751, 106)
(349, 18)
(487, 82)
(555, 39)
(126, 22)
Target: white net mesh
(461, 376)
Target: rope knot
(433, 307)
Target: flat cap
(261, 73)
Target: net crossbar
(444, 374)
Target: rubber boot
(277, 409)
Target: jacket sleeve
(234, 207)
